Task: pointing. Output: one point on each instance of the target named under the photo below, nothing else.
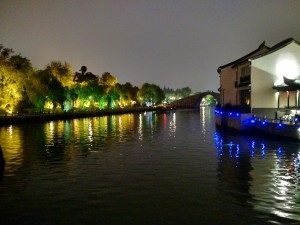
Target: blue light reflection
(269, 167)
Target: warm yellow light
(248, 101)
(87, 104)
(49, 105)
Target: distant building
(266, 80)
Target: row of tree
(56, 87)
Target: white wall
(269, 70)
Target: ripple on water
(146, 169)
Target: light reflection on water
(146, 168)
(271, 169)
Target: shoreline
(9, 120)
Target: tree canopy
(56, 87)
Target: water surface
(146, 168)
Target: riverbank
(7, 120)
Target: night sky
(172, 43)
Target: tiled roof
(244, 58)
(277, 47)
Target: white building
(266, 80)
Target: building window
(245, 97)
(245, 71)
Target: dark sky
(172, 43)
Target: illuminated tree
(112, 98)
(89, 93)
(10, 89)
(15, 75)
(108, 80)
(209, 100)
(172, 95)
(71, 96)
(56, 93)
(38, 89)
(150, 94)
(46, 88)
(62, 72)
(127, 93)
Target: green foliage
(56, 92)
(62, 72)
(20, 63)
(209, 100)
(108, 80)
(151, 94)
(15, 74)
(172, 95)
(24, 89)
(112, 98)
(103, 104)
(127, 93)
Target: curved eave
(276, 47)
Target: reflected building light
(203, 119)
(140, 129)
(263, 148)
(252, 153)
(252, 145)
(230, 148)
(279, 151)
(173, 123)
(237, 154)
(218, 143)
(281, 213)
(279, 155)
(297, 163)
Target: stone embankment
(6, 120)
(250, 124)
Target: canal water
(146, 168)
